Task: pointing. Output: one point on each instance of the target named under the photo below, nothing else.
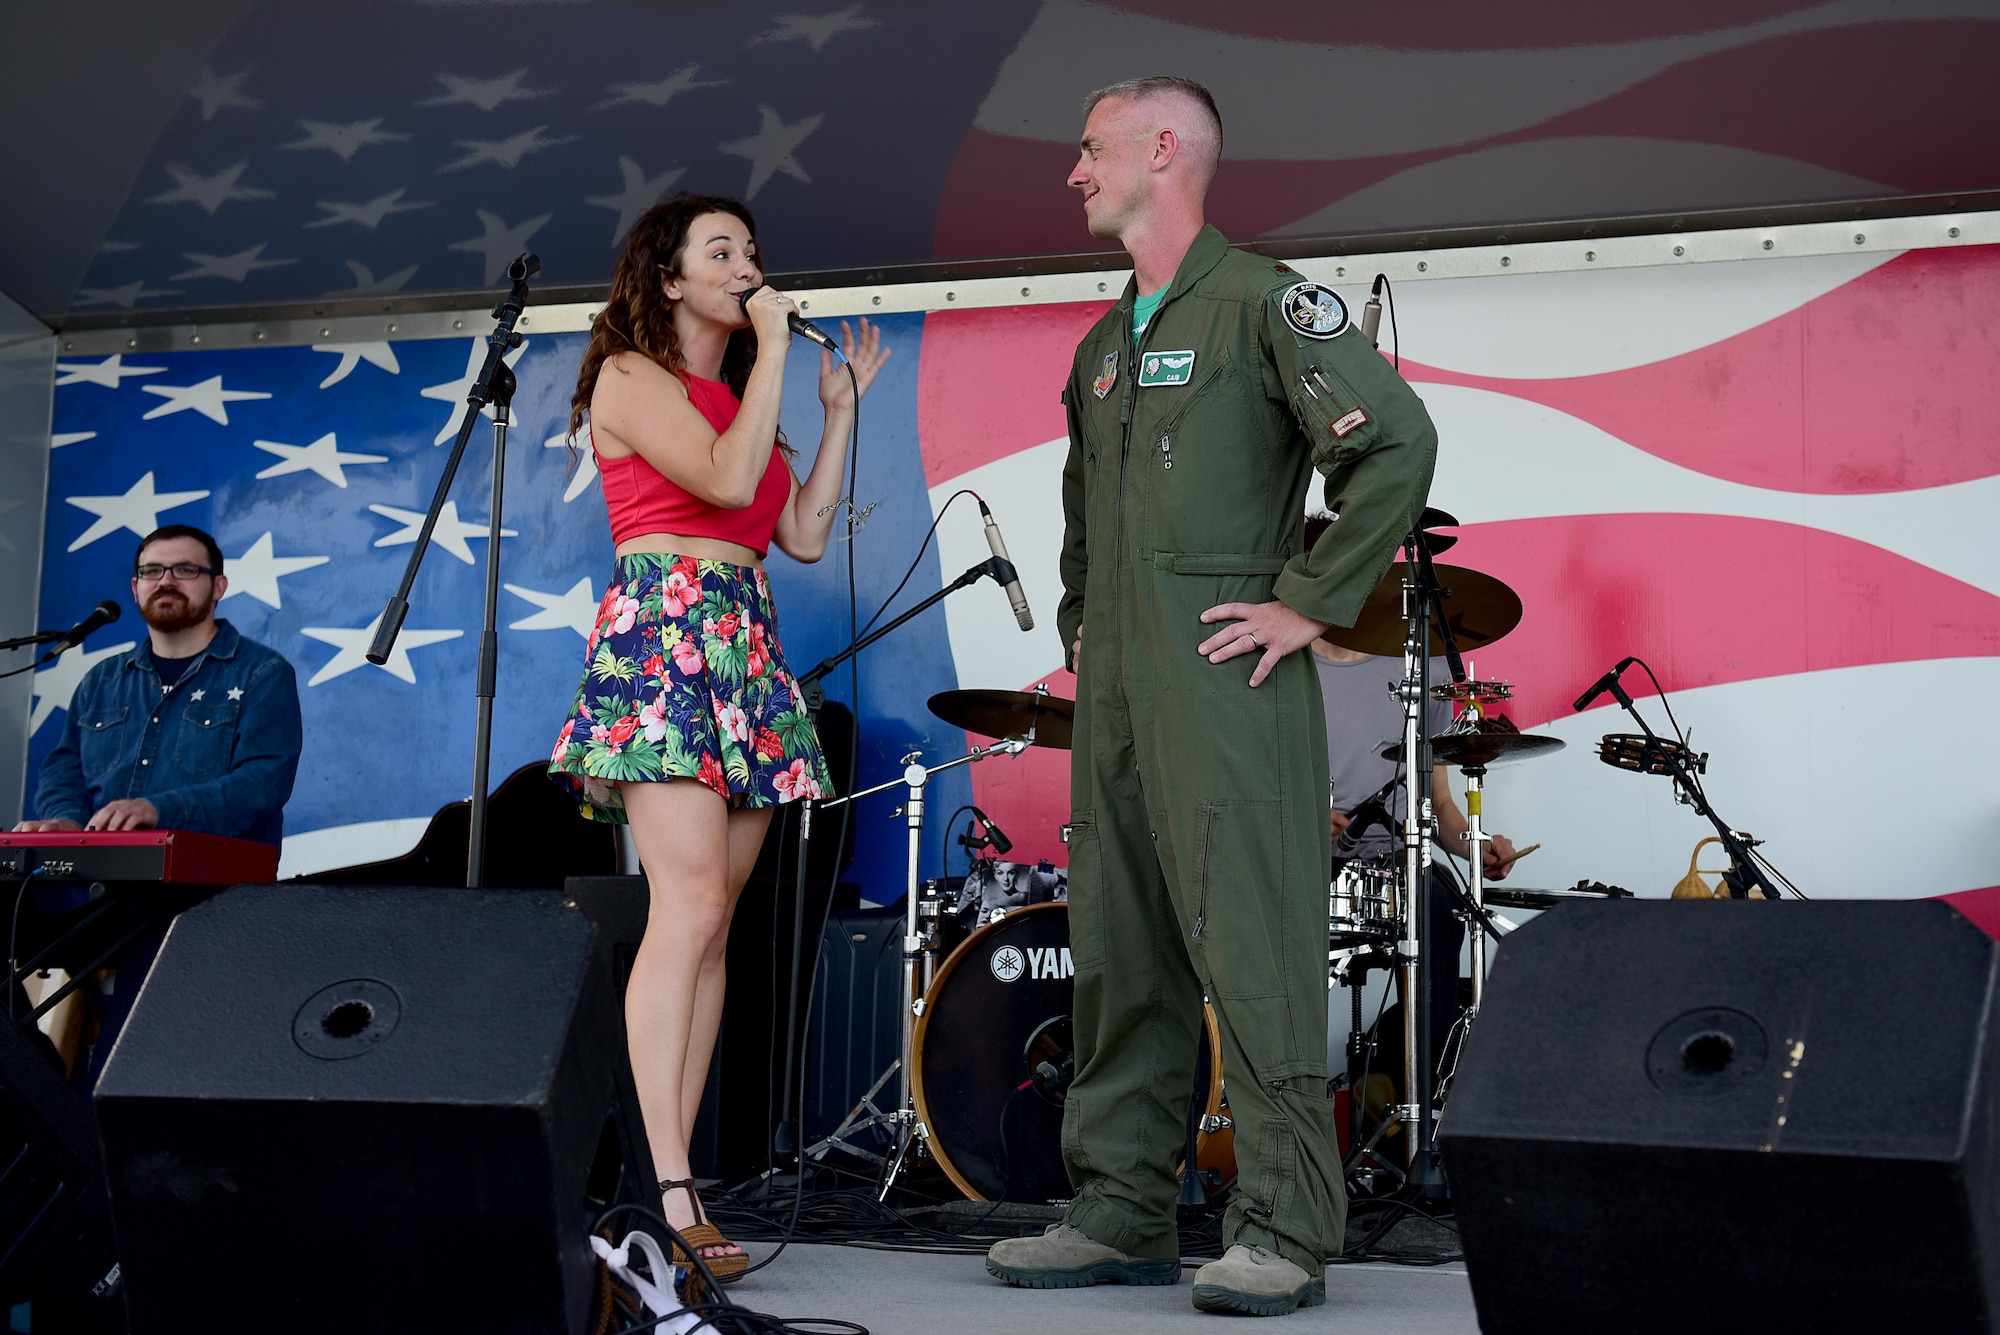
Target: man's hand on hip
(60, 825)
(1271, 627)
(127, 813)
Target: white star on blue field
(279, 180)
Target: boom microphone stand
(1002, 572)
(494, 385)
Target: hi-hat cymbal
(1478, 608)
(1008, 714)
(1465, 749)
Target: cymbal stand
(919, 964)
(1421, 595)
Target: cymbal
(1008, 714)
(1478, 608)
(1488, 748)
(1432, 518)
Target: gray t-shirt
(1362, 718)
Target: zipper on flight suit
(1166, 441)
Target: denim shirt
(216, 752)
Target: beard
(171, 610)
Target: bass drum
(995, 1053)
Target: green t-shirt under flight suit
(1199, 844)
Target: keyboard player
(196, 729)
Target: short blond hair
(1202, 135)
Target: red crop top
(642, 500)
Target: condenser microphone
(1603, 684)
(1371, 314)
(1005, 571)
(102, 615)
(801, 326)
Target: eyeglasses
(184, 570)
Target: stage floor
(909, 1293)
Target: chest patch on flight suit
(1166, 368)
(1107, 377)
(1315, 311)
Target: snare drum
(1362, 902)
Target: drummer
(1362, 717)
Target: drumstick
(1507, 862)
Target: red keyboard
(178, 856)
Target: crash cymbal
(1478, 608)
(1008, 714)
(1434, 518)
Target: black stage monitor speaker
(362, 1108)
(1698, 1116)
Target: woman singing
(687, 723)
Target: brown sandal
(702, 1234)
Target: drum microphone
(800, 325)
(1372, 811)
(1604, 683)
(1371, 314)
(1004, 569)
(103, 615)
(994, 838)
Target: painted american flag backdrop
(1774, 480)
(384, 148)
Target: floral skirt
(683, 679)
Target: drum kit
(987, 1050)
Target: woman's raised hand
(865, 354)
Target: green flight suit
(1199, 841)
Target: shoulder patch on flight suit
(1312, 310)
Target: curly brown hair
(638, 317)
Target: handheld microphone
(801, 326)
(1012, 580)
(1603, 684)
(1371, 314)
(995, 839)
(102, 615)
(1370, 812)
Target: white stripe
(1300, 101)
(1842, 773)
(1553, 326)
(1024, 491)
(1501, 458)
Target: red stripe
(989, 382)
(1706, 600)
(1029, 795)
(1880, 385)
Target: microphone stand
(494, 386)
(813, 695)
(1685, 782)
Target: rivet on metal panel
(1423, 266)
(1768, 243)
(131, 342)
(1590, 255)
(194, 338)
(325, 333)
(805, 305)
(1951, 231)
(953, 296)
(1024, 291)
(1340, 272)
(68, 346)
(392, 327)
(875, 300)
(1859, 238)
(1505, 260)
(455, 324)
(1100, 287)
(1680, 250)
(260, 336)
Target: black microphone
(995, 839)
(1371, 314)
(801, 326)
(102, 615)
(1006, 573)
(1603, 684)
(1372, 811)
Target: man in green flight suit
(1199, 848)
